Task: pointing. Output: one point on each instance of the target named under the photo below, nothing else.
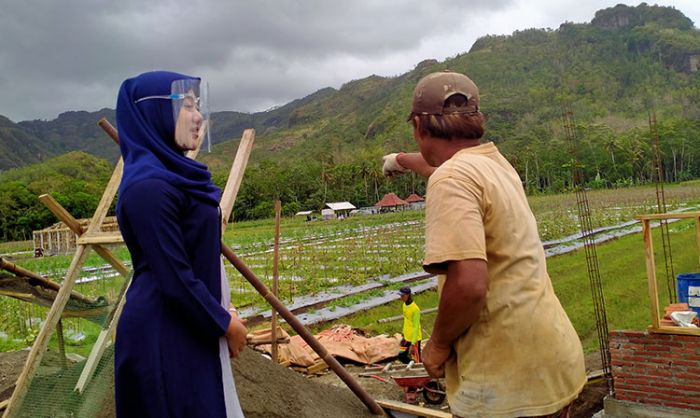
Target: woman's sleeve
(153, 214)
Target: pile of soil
(265, 389)
(589, 401)
(11, 365)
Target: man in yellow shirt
(501, 338)
(412, 335)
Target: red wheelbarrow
(433, 391)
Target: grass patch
(623, 273)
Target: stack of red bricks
(675, 307)
(656, 369)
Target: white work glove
(391, 166)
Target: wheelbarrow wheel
(434, 392)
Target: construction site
(339, 371)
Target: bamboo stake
(42, 339)
(275, 279)
(61, 342)
(46, 283)
(235, 177)
(304, 333)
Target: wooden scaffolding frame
(94, 238)
(656, 326)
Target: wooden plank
(658, 216)
(64, 216)
(107, 198)
(61, 213)
(697, 236)
(100, 238)
(61, 342)
(279, 340)
(112, 259)
(275, 279)
(418, 411)
(319, 366)
(675, 330)
(42, 339)
(651, 273)
(235, 176)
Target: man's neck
(447, 148)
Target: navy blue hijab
(147, 138)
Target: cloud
(73, 54)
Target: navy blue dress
(167, 346)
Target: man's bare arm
(415, 162)
(462, 298)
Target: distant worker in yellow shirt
(412, 336)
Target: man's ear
(418, 127)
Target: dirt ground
(270, 391)
(588, 403)
(265, 390)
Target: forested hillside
(75, 180)
(612, 72)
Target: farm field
(319, 256)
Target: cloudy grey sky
(73, 54)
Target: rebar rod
(658, 175)
(588, 234)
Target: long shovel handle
(302, 331)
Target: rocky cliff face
(622, 17)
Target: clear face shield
(190, 112)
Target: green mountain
(29, 142)
(17, 146)
(613, 72)
(75, 179)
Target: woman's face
(189, 121)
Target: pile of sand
(265, 389)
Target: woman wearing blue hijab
(175, 334)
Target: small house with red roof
(415, 201)
(391, 202)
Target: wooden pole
(35, 278)
(61, 342)
(42, 340)
(275, 279)
(109, 129)
(235, 177)
(697, 235)
(651, 273)
(304, 333)
(64, 216)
